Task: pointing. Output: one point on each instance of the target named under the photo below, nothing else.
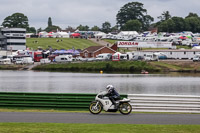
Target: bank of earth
(114, 67)
(123, 67)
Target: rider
(112, 94)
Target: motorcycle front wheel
(95, 107)
(125, 108)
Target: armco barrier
(69, 101)
(165, 103)
(74, 101)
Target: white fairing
(107, 104)
(125, 100)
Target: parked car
(91, 59)
(103, 57)
(80, 59)
(196, 58)
(123, 57)
(119, 57)
(27, 60)
(161, 56)
(51, 57)
(137, 57)
(19, 61)
(151, 57)
(45, 61)
(6, 61)
(64, 58)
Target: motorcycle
(102, 102)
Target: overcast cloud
(66, 13)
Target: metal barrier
(165, 103)
(74, 101)
(46, 100)
(69, 101)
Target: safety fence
(165, 103)
(46, 100)
(67, 101)
(75, 101)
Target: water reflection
(58, 82)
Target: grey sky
(66, 13)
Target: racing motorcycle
(102, 102)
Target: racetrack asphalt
(103, 118)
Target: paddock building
(171, 53)
(15, 38)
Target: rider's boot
(116, 104)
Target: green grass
(111, 41)
(154, 48)
(109, 67)
(120, 67)
(185, 47)
(173, 66)
(94, 128)
(66, 43)
(164, 65)
(10, 67)
(114, 67)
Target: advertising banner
(130, 44)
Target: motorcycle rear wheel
(95, 109)
(125, 108)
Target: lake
(63, 82)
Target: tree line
(131, 17)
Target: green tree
(16, 20)
(164, 16)
(147, 22)
(167, 26)
(83, 28)
(163, 27)
(171, 25)
(132, 25)
(133, 11)
(106, 27)
(31, 30)
(70, 28)
(179, 24)
(192, 24)
(95, 28)
(51, 27)
(115, 28)
(192, 15)
(49, 22)
(39, 30)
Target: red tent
(183, 37)
(50, 34)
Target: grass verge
(66, 43)
(10, 67)
(94, 128)
(176, 66)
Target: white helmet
(108, 87)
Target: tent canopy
(127, 33)
(70, 51)
(196, 47)
(76, 34)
